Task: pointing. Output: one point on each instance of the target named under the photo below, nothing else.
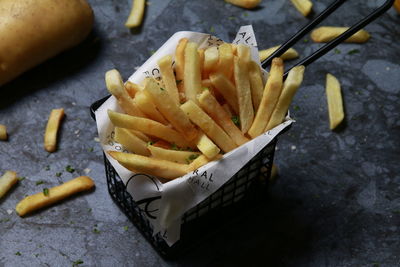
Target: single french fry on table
(291, 53)
(206, 146)
(256, 84)
(53, 124)
(116, 87)
(271, 94)
(210, 105)
(327, 33)
(290, 86)
(249, 4)
(227, 89)
(136, 15)
(243, 90)
(180, 67)
(303, 6)
(225, 61)
(170, 110)
(132, 88)
(192, 74)
(157, 167)
(53, 195)
(335, 101)
(185, 157)
(131, 142)
(201, 119)
(7, 181)
(148, 127)
(211, 57)
(3, 132)
(165, 64)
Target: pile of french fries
(207, 102)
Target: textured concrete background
(337, 202)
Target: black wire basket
(245, 187)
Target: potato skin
(32, 31)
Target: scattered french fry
(131, 142)
(192, 74)
(227, 89)
(201, 119)
(53, 124)
(146, 105)
(211, 57)
(54, 195)
(147, 126)
(327, 33)
(157, 167)
(185, 157)
(291, 53)
(397, 5)
(335, 101)
(3, 132)
(7, 181)
(219, 115)
(165, 64)
(167, 106)
(225, 61)
(243, 90)
(206, 146)
(116, 87)
(256, 84)
(180, 67)
(249, 4)
(271, 94)
(290, 86)
(132, 88)
(303, 6)
(136, 15)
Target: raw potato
(32, 31)
(335, 101)
(7, 181)
(327, 34)
(3, 132)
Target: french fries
(206, 146)
(303, 6)
(227, 89)
(291, 53)
(211, 56)
(131, 142)
(136, 15)
(3, 132)
(132, 88)
(335, 101)
(271, 94)
(185, 157)
(290, 86)
(256, 84)
(165, 64)
(7, 181)
(53, 124)
(192, 74)
(54, 195)
(249, 4)
(328, 33)
(146, 105)
(225, 61)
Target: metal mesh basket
(243, 188)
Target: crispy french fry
(141, 135)
(249, 4)
(185, 157)
(132, 88)
(116, 87)
(7, 181)
(291, 53)
(3, 132)
(225, 61)
(227, 109)
(192, 74)
(290, 86)
(271, 95)
(241, 74)
(303, 6)
(397, 5)
(201, 60)
(147, 126)
(171, 110)
(136, 15)
(256, 84)
(165, 64)
(53, 124)
(219, 115)
(327, 33)
(180, 67)
(201, 119)
(151, 166)
(146, 105)
(55, 194)
(211, 56)
(227, 90)
(206, 146)
(198, 162)
(335, 101)
(131, 142)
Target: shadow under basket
(248, 185)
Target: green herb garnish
(305, 41)
(174, 146)
(47, 168)
(90, 149)
(337, 51)
(150, 143)
(162, 89)
(193, 156)
(231, 18)
(46, 192)
(18, 253)
(235, 120)
(69, 169)
(125, 228)
(39, 182)
(178, 81)
(245, 14)
(58, 174)
(353, 51)
(296, 107)
(21, 178)
(96, 231)
(77, 262)
(212, 29)
(205, 88)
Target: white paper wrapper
(164, 204)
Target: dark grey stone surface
(337, 202)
